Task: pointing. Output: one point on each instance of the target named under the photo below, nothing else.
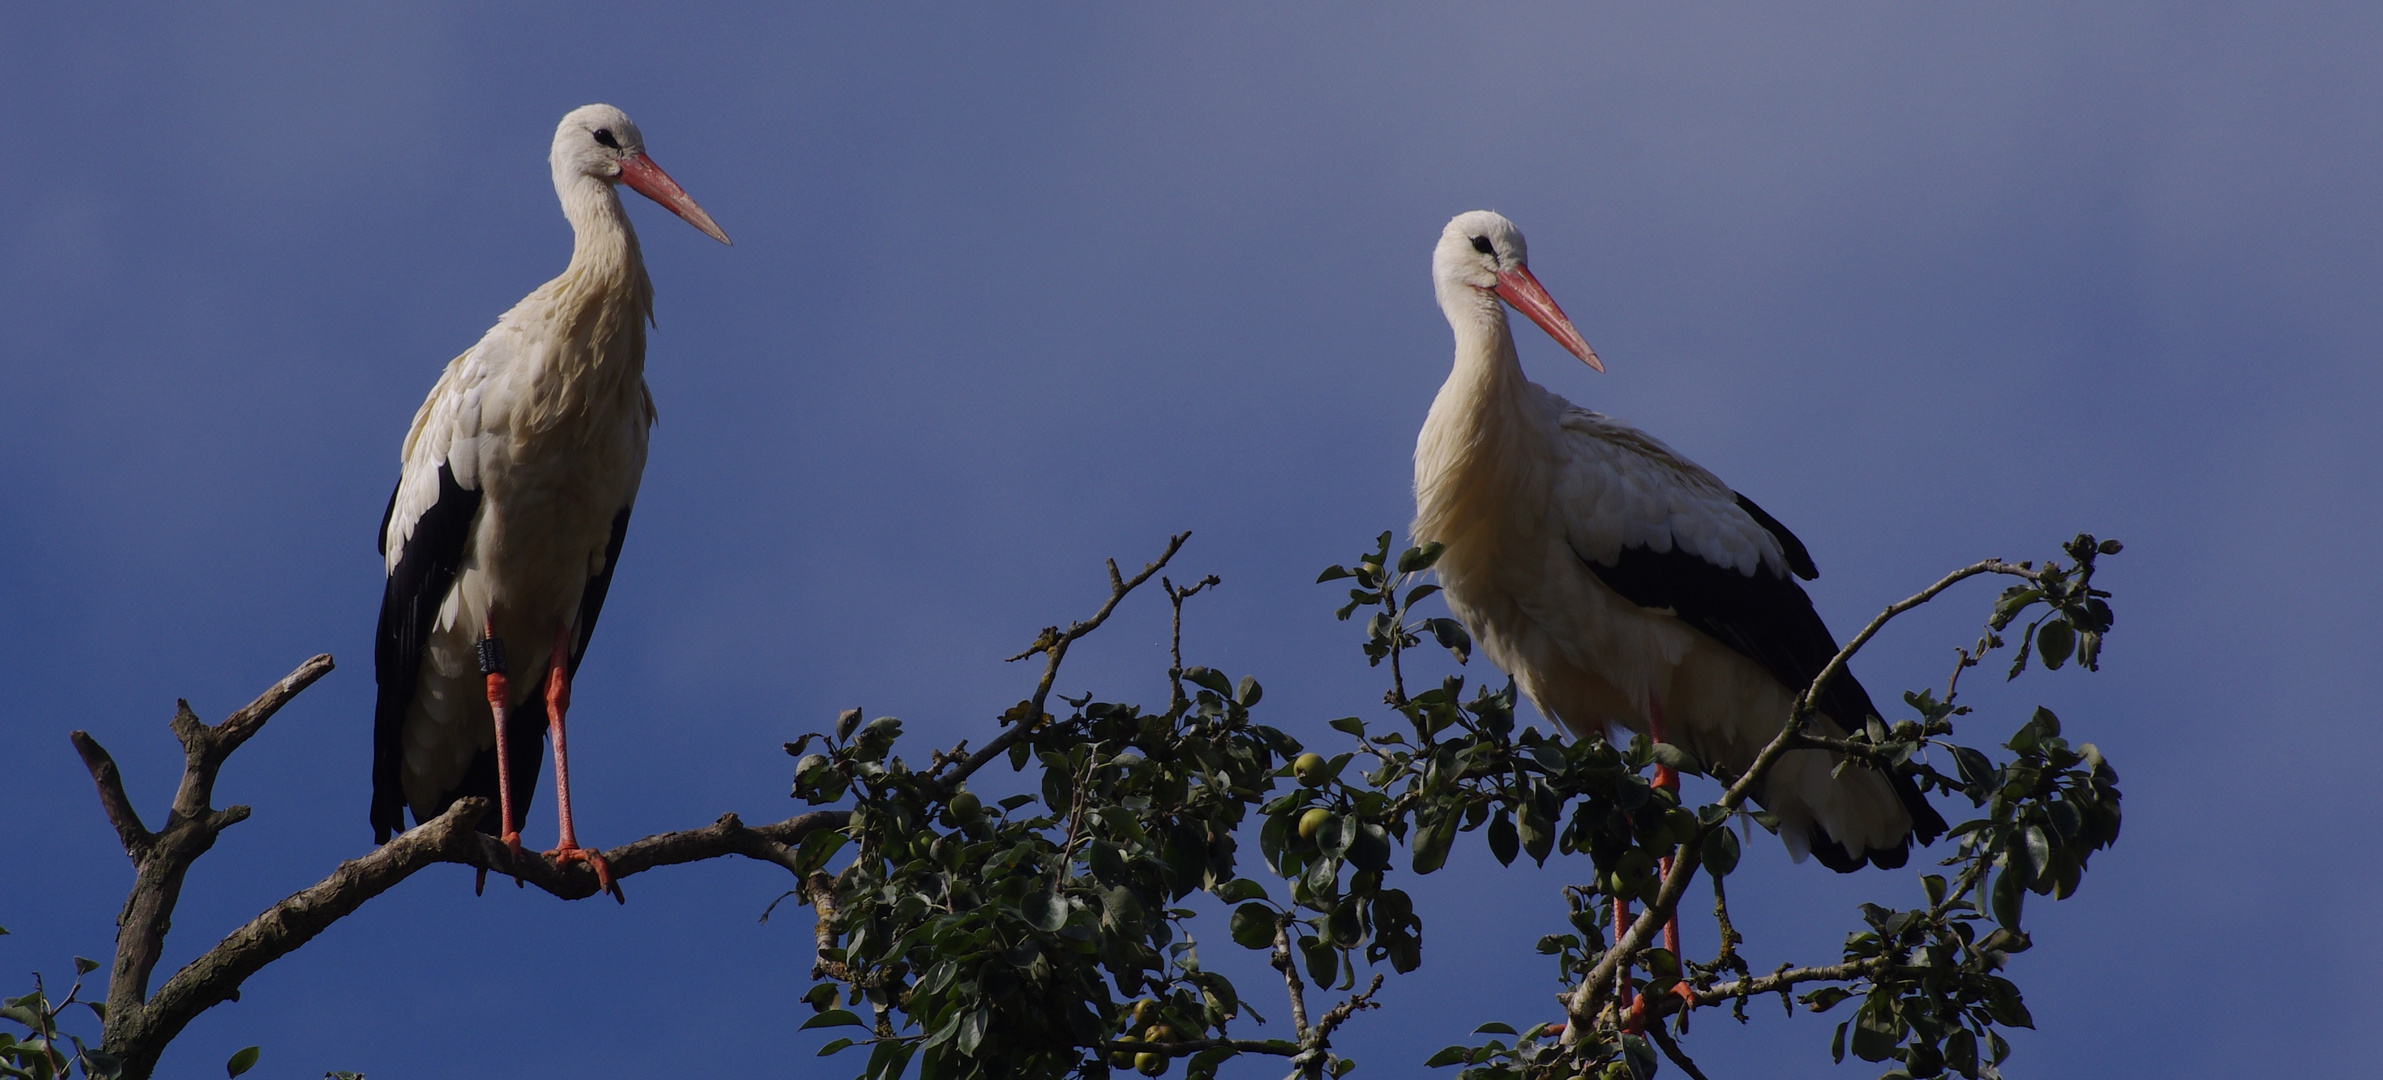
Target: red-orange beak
(648, 179)
(1519, 288)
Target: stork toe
(564, 856)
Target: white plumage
(1616, 580)
(518, 476)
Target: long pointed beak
(648, 179)
(1519, 288)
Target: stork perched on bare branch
(502, 536)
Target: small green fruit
(1151, 1064)
(1635, 863)
(1309, 768)
(1312, 822)
(966, 806)
(1122, 1059)
(1145, 1012)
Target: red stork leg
(1668, 780)
(558, 701)
(492, 666)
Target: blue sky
(1018, 289)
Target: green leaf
(1203, 1064)
(1678, 758)
(833, 1018)
(972, 1029)
(1875, 1029)
(1826, 998)
(1720, 852)
(1431, 844)
(1420, 557)
(889, 1060)
(2039, 849)
(1335, 572)
(1448, 1055)
(1975, 767)
(1240, 889)
(1045, 911)
(834, 1046)
(1503, 842)
(1248, 693)
(1961, 1052)
(1209, 678)
(1453, 637)
(1350, 725)
(241, 1062)
(1323, 961)
(2004, 1004)
(85, 967)
(816, 849)
(1537, 837)
(2053, 642)
(2009, 896)
(1253, 926)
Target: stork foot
(563, 856)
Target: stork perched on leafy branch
(1623, 586)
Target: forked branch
(139, 1025)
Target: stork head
(1481, 261)
(602, 143)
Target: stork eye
(1481, 244)
(604, 136)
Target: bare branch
(1053, 643)
(135, 836)
(1176, 596)
(1340, 1013)
(139, 1026)
(1284, 963)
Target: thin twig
(1053, 643)
(1340, 1013)
(1176, 701)
(1672, 1050)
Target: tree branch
(1285, 963)
(135, 836)
(139, 1026)
(1053, 643)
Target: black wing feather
(591, 601)
(409, 605)
(1767, 618)
(1798, 559)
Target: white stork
(1622, 585)
(519, 474)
